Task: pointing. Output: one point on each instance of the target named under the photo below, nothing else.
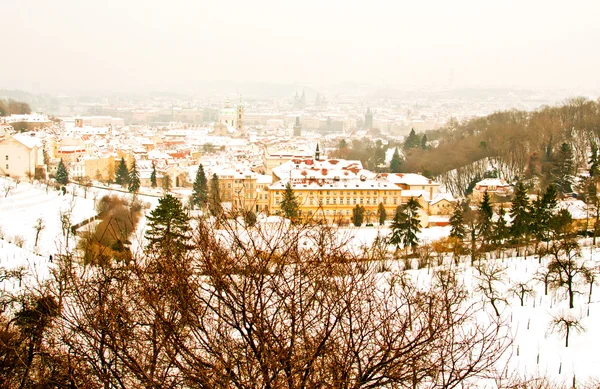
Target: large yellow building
(333, 200)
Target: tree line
(543, 146)
(12, 107)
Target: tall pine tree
(381, 214)
(565, 169)
(62, 176)
(134, 179)
(413, 141)
(484, 219)
(406, 225)
(168, 230)
(122, 177)
(153, 176)
(289, 203)
(200, 193)
(519, 213)
(396, 162)
(594, 165)
(214, 197)
(457, 223)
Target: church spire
(317, 154)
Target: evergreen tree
(62, 175)
(166, 182)
(424, 142)
(168, 227)
(406, 225)
(289, 203)
(519, 212)
(358, 215)
(594, 165)
(153, 176)
(134, 179)
(381, 213)
(396, 162)
(541, 213)
(214, 197)
(501, 230)
(457, 223)
(564, 169)
(122, 177)
(412, 141)
(200, 193)
(484, 222)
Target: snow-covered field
(535, 351)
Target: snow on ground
(25, 203)
(535, 352)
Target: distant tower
(317, 154)
(297, 127)
(240, 117)
(368, 119)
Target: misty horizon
(71, 46)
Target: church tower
(240, 117)
(317, 154)
(368, 119)
(297, 127)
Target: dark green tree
(594, 165)
(406, 225)
(564, 169)
(134, 179)
(484, 219)
(122, 176)
(214, 197)
(289, 203)
(153, 176)
(381, 213)
(519, 213)
(457, 223)
(358, 215)
(413, 141)
(424, 142)
(501, 231)
(166, 182)
(396, 162)
(200, 193)
(168, 228)
(541, 213)
(62, 175)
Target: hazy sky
(142, 45)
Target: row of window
(345, 192)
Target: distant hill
(520, 144)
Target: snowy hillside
(536, 351)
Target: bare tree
(38, 227)
(545, 276)
(564, 324)
(566, 265)
(591, 277)
(521, 290)
(490, 277)
(286, 306)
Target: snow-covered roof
(492, 182)
(304, 168)
(410, 179)
(29, 140)
(442, 196)
(264, 179)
